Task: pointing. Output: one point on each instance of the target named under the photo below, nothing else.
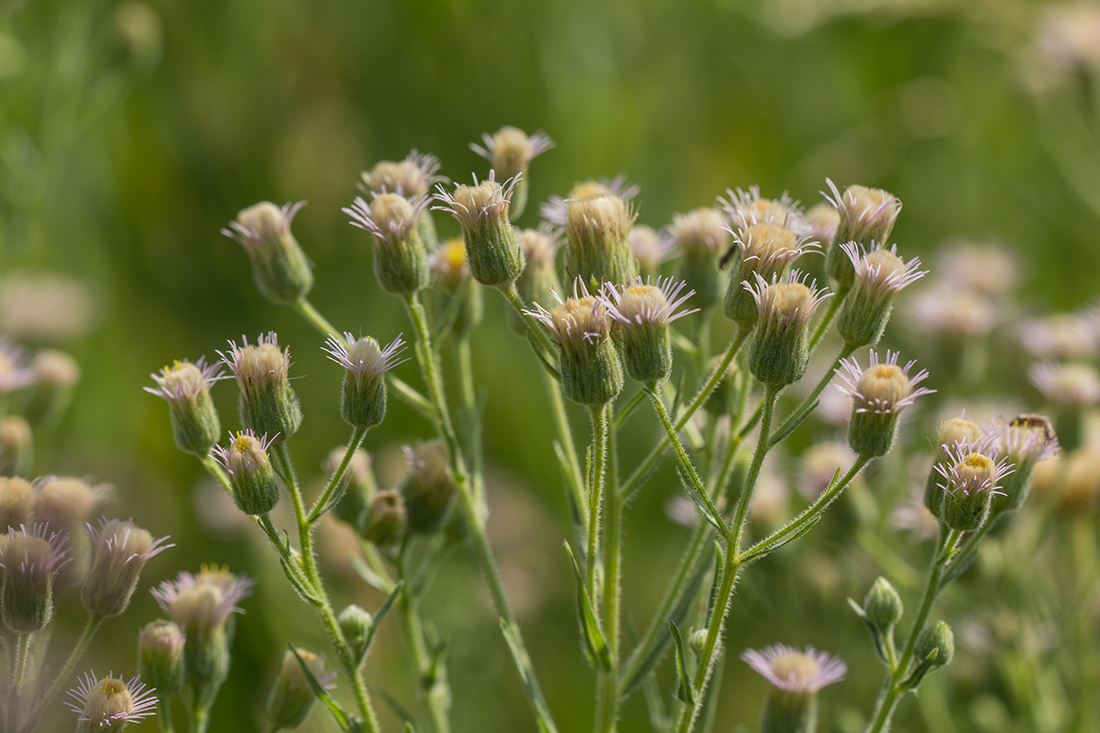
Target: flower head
(413, 176)
(107, 704)
(494, 254)
(160, 656)
(1067, 385)
(879, 275)
(984, 268)
(400, 258)
(279, 266)
(15, 373)
(186, 389)
(748, 208)
(365, 362)
(292, 695)
(511, 150)
(597, 249)
(823, 220)
(866, 215)
(31, 561)
(202, 603)
(764, 250)
(971, 477)
(954, 432)
(792, 670)
(258, 225)
(1061, 336)
(121, 551)
(1069, 36)
(879, 393)
(556, 209)
(780, 348)
(953, 312)
(251, 475)
(650, 248)
(641, 313)
(1024, 441)
(701, 236)
(268, 405)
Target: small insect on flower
(108, 704)
(186, 389)
(365, 363)
(1024, 441)
(879, 394)
(642, 313)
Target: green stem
(81, 646)
(337, 479)
(608, 703)
(827, 319)
(429, 679)
(468, 397)
(574, 478)
(808, 400)
(22, 652)
(535, 330)
(318, 321)
(970, 544)
(594, 500)
(200, 720)
(164, 715)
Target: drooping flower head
(879, 274)
(702, 237)
(186, 389)
(597, 249)
(556, 208)
(251, 475)
(400, 256)
(279, 266)
(108, 704)
(879, 394)
(510, 152)
(796, 677)
(268, 405)
(971, 477)
(764, 250)
(866, 215)
(482, 210)
(121, 550)
(31, 560)
(365, 363)
(641, 314)
(780, 348)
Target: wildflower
(160, 656)
(540, 276)
(796, 678)
(16, 445)
(1024, 441)
(55, 375)
(954, 313)
(780, 348)
(823, 220)
(748, 208)
(493, 253)
(641, 314)
(556, 209)
(882, 605)
(702, 237)
(279, 266)
(879, 274)
(879, 393)
(1069, 37)
(509, 153)
(268, 405)
(65, 504)
(31, 560)
(121, 551)
(413, 176)
(596, 249)
(650, 249)
(356, 625)
(428, 487)
(972, 475)
(292, 696)
(953, 432)
(983, 268)
(251, 476)
(451, 273)
(400, 257)
(365, 363)
(1061, 336)
(1078, 481)
(766, 250)
(866, 215)
(186, 389)
(385, 519)
(915, 517)
(107, 705)
(935, 645)
(589, 366)
(16, 502)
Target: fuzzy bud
(363, 399)
(16, 502)
(160, 657)
(937, 639)
(866, 215)
(953, 431)
(879, 275)
(268, 405)
(764, 250)
(971, 476)
(428, 487)
(493, 253)
(641, 314)
(400, 258)
(291, 698)
(509, 153)
(882, 605)
(356, 625)
(121, 551)
(279, 266)
(702, 237)
(780, 348)
(186, 389)
(385, 519)
(250, 473)
(879, 394)
(108, 705)
(16, 446)
(30, 561)
(597, 248)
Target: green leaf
(594, 639)
(400, 710)
(791, 424)
(523, 664)
(307, 595)
(371, 578)
(758, 554)
(338, 713)
(703, 504)
(685, 691)
(381, 614)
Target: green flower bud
(936, 639)
(108, 705)
(452, 278)
(30, 561)
(698, 640)
(780, 347)
(640, 315)
(879, 394)
(971, 476)
(883, 605)
(16, 502)
(268, 405)
(597, 249)
(1024, 441)
(400, 258)
(866, 215)
(428, 487)
(493, 252)
(121, 551)
(160, 657)
(702, 236)
(250, 473)
(879, 276)
(953, 431)
(16, 446)
(385, 520)
(186, 389)
(356, 625)
(363, 400)
(412, 177)
(764, 250)
(748, 208)
(509, 153)
(279, 266)
(291, 698)
(796, 678)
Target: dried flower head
(879, 275)
(642, 313)
(494, 254)
(268, 405)
(879, 393)
(400, 257)
(121, 551)
(186, 389)
(866, 215)
(780, 348)
(791, 670)
(365, 362)
(31, 560)
(764, 250)
(413, 177)
(107, 705)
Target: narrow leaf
(590, 624)
(791, 424)
(371, 578)
(381, 613)
(711, 517)
(338, 713)
(758, 554)
(523, 664)
(685, 692)
(307, 595)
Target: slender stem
(337, 479)
(164, 715)
(974, 539)
(200, 720)
(830, 313)
(438, 705)
(608, 703)
(468, 398)
(81, 646)
(318, 321)
(600, 419)
(808, 400)
(742, 513)
(575, 476)
(22, 652)
(535, 330)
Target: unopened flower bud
(866, 215)
(458, 295)
(720, 401)
(363, 400)
(279, 266)
(748, 208)
(650, 249)
(121, 551)
(879, 275)
(764, 250)
(883, 605)
(493, 252)
(56, 374)
(509, 153)
(1024, 441)
(780, 347)
(160, 657)
(698, 640)
(186, 389)
(268, 405)
(400, 258)
(30, 561)
(936, 639)
(590, 369)
(971, 476)
(16, 502)
(292, 696)
(108, 705)
(954, 431)
(360, 481)
(540, 276)
(16, 446)
(556, 210)
(641, 315)
(823, 220)
(385, 520)
(597, 249)
(356, 625)
(702, 237)
(412, 177)
(65, 504)
(879, 394)
(251, 475)
(428, 487)
(796, 678)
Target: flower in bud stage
(879, 275)
(268, 405)
(65, 504)
(765, 250)
(597, 249)
(937, 639)
(412, 177)
(186, 389)
(866, 215)
(882, 605)
(641, 314)
(509, 153)
(385, 519)
(720, 401)
(246, 461)
(702, 237)
(823, 220)
(796, 678)
(56, 374)
(400, 258)
(107, 705)
(540, 276)
(292, 696)
(428, 487)
(590, 369)
(1024, 441)
(14, 372)
(121, 551)
(365, 363)
(160, 656)
(650, 249)
(451, 274)
(361, 484)
(279, 266)
(879, 393)
(748, 208)
(780, 347)
(16, 446)
(356, 624)
(971, 477)
(556, 209)
(493, 252)
(16, 502)
(954, 431)
(30, 561)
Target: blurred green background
(130, 133)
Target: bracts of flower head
(796, 678)
(879, 394)
(251, 475)
(972, 475)
(510, 152)
(31, 560)
(121, 550)
(186, 389)
(597, 248)
(108, 704)
(764, 250)
(268, 405)
(780, 348)
(866, 215)
(400, 257)
(279, 266)
(640, 315)
(412, 177)
(954, 431)
(291, 698)
(589, 366)
(879, 274)
(365, 363)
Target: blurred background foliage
(130, 133)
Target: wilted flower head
(792, 670)
(121, 551)
(556, 208)
(279, 266)
(31, 560)
(202, 603)
(511, 150)
(268, 405)
(748, 208)
(413, 177)
(106, 705)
